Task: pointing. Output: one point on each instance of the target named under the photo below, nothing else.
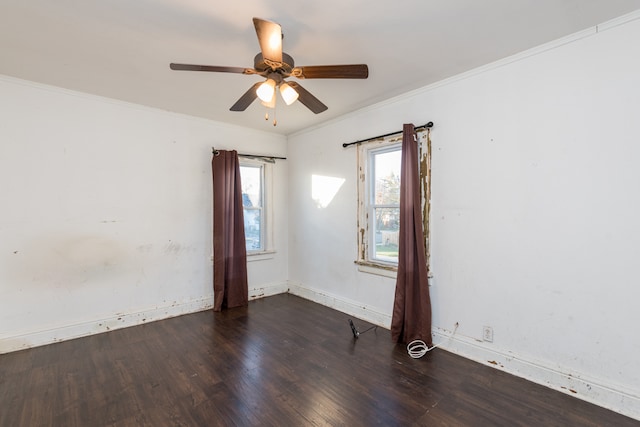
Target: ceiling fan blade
(309, 101)
(270, 39)
(246, 99)
(214, 68)
(355, 71)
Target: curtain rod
(255, 156)
(425, 126)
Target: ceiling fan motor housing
(285, 69)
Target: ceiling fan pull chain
(275, 121)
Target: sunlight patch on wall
(324, 189)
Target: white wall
(535, 213)
(106, 213)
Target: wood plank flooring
(283, 361)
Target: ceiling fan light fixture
(266, 90)
(288, 93)
(270, 104)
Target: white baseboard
(359, 310)
(608, 396)
(577, 385)
(91, 327)
(124, 320)
(268, 290)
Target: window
(379, 164)
(253, 175)
(379, 203)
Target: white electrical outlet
(487, 333)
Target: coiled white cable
(418, 348)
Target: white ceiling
(122, 48)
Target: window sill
(377, 269)
(260, 256)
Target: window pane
(252, 200)
(251, 186)
(387, 178)
(386, 233)
(252, 232)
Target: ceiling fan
(275, 66)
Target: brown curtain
(411, 318)
(229, 251)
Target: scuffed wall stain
(78, 260)
(90, 251)
(173, 248)
(66, 261)
(145, 249)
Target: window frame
(366, 187)
(266, 221)
(366, 193)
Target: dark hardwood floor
(283, 361)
